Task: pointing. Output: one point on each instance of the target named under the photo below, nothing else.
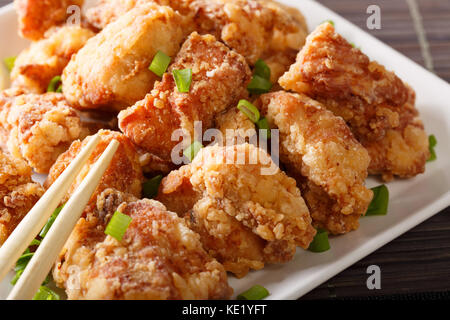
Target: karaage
(318, 145)
(159, 257)
(245, 209)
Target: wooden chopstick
(47, 252)
(34, 221)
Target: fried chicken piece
(36, 66)
(37, 16)
(235, 127)
(219, 79)
(377, 105)
(18, 193)
(107, 11)
(159, 258)
(247, 26)
(251, 27)
(318, 145)
(245, 209)
(111, 70)
(124, 173)
(404, 150)
(330, 70)
(38, 128)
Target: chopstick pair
(47, 252)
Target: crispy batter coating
(251, 27)
(377, 105)
(38, 128)
(235, 127)
(364, 93)
(246, 216)
(159, 258)
(18, 193)
(37, 16)
(219, 79)
(107, 11)
(46, 58)
(124, 173)
(404, 150)
(319, 146)
(111, 70)
(247, 26)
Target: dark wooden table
(418, 262)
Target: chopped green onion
(329, 21)
(45, 293)
(262, 70)
(263, 125)
(432, 142)
(183, 79)
(17, 276)
(249, 110)
(192, 150)
(50, 221)
(55, 85)
(160, 63)
(259, 85)
(118, 225)
(380, 201)
(9, 63)
(22, 263)
(35, 242)
(320, 242)
(150, 187)
(256, 292)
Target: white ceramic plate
(411, 202)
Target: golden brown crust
(333, 72)
(404, 150)
(251, 27)
(235, 127)
(46, 58)
(38, 128)
(219, 79)
(124, 173)
(240, 213)
(158, 257)
(320, 147)
(18, 193)
(377, 105)
(111, 70)
(37, 16)
(107, 11)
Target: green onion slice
(263, 125)
(259, 85)
(160, 63)
(9, 63)
(183, 79)
(262, 70)
(118, 225)
(320, 242)
(192, 150)
(150, 187)
(432, 142)
(45, 293)
(50, 221)
(249, 110)
(17, 276)
(21, 264)
(55, 85)
(329, 21)
(256, 292)
(380, 201)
